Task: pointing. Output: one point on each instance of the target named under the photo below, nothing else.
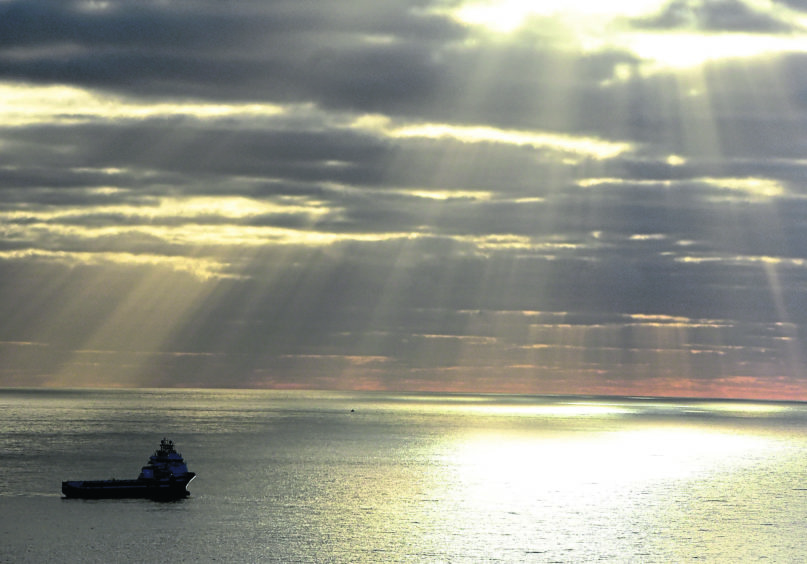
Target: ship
(164, 477)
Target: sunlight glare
(501, 469)
(750, 188)
(508, 15)
(583, 146)
(563, 410)
(665, 49)
(594, 26)
(28, 104)
(444, 195)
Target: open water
(359, 477)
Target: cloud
(395, 194)
(718, 16)
(277, 50)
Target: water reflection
(595, 495)
(288, 477)
(617, 458)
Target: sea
(349, 477)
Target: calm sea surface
(349, 477)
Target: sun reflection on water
(532, 465)
(565, 409)
(588, 492)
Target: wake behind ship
(165, 477)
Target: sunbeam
(453, 195)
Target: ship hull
(127, 489)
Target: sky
(576, 197)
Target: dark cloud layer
(382, 195)
(716, 16)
